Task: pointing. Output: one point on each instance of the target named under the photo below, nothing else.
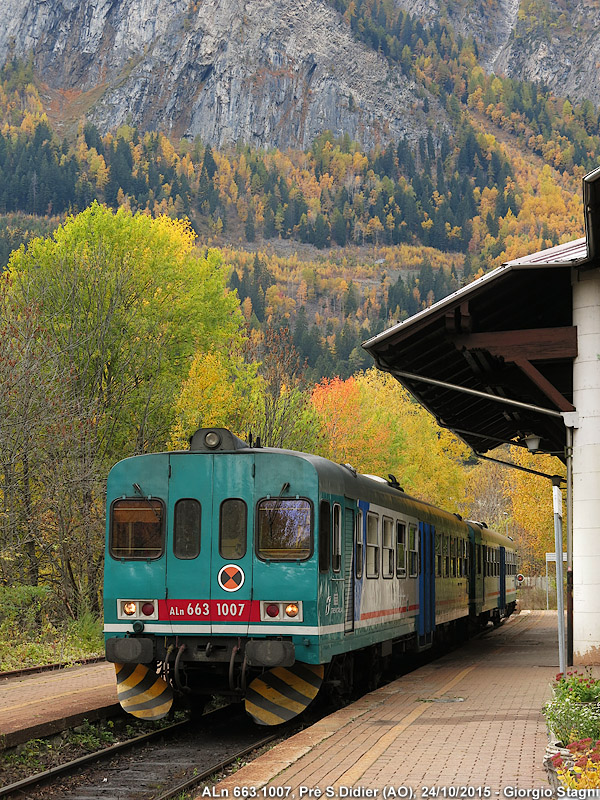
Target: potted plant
(573, 717)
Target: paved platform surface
(28, 705)
(471, 719)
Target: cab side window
(233, 528)
(186, 529)
(324, 535)
(336, 550)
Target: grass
(47, 642)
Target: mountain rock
(268, 72)
(271, 73)
(554, 42)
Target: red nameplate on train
(209, 610)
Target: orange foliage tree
(373, 423)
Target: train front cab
(227, 601)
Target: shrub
(580, 686)
(573, 714)
(30, 634)
(21, 608)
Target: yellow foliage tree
(532, 509)
(220, 391)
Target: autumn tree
(531, 511)
(282, 415)
(124, 304)
(220, 391)
(373, 423)
(30, 385)
(128, 303)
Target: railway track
(155, 766)
(162, 764)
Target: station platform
(48, 702)
(467, 725)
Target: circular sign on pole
(230, 577)
(520, 577)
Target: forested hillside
(118, 336)
(500, 180)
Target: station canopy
(493, 362)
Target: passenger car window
(413, 547)
(137, 529)
(446, 559)
(372, 545)
(336, 551)
(186, 529)
(401, 549)
(283, 531)
(387, 563)
(359, 545)
(438, 555)
(233, 528)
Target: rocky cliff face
(273, 72)
(266, 72)
(558, 44)
(549, 41)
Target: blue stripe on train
(426, 618)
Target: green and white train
(261, 573)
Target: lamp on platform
(533, 442)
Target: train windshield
(284, 530)
(136, 529)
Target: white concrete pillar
(586, 469)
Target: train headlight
(212, 440)
(144, 607)
(291, 610)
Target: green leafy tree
(123, 304)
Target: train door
(426, 621)
(349, 525)
(209, 556)
(338, 584)
(502, 599)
